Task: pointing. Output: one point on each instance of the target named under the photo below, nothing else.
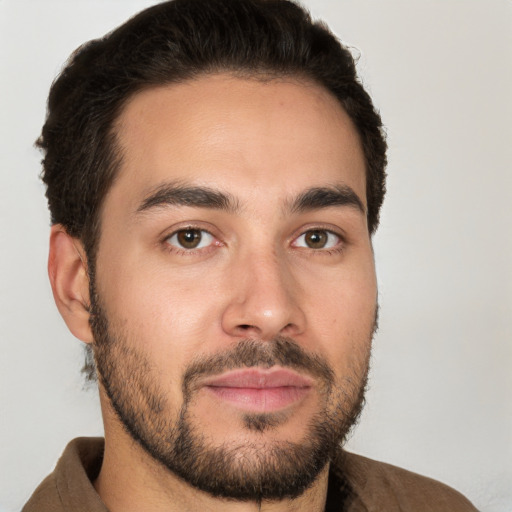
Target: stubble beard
(256, 471)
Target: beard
(265, 469)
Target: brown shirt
(356, 484)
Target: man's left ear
(67, 269)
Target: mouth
(260, 390)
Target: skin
(264, 144)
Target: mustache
(249, 353)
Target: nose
(265, 299)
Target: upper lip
(259, 378)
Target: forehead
(244, 135)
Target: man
(214, 173)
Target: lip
(260, 390)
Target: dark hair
(172, 42)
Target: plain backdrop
(441, 384)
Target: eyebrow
(316, 198)
(323, 197)
(173, 194)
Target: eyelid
(190, 224)
(313, 226)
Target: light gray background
(440, 392)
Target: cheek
(346, 295)
(161, 307)
(341, 311)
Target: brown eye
(190, 238)
(317, 239)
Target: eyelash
(338, 248)
(181, 251)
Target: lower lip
(260, 399)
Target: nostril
(245, 327)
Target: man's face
(236, 292)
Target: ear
(67, 269)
